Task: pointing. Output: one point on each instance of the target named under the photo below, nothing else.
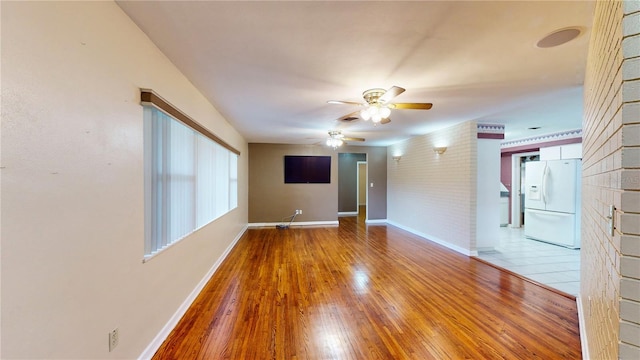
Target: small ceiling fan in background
(377, 105)
(337, 139)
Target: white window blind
(206, 181)
(233, 180)
(222, 181)
(190, 180)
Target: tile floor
(552, 265)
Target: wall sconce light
(397, 158)
(440, 150)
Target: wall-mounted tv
(307, 169)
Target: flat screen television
(307, 169)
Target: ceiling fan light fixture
(334, 142)
(385, 112)
(377, 105)
(375, 112)
(335, 139)
(365, 114)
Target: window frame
(157, 128)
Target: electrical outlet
(298, 212)
(114, 337)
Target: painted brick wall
(435, 195)
(610, 290)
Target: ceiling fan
(377, 105)
(337, 139)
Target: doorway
(551, 265)
(518, 176)
(362, 188)
(350, 191)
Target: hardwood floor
(368, 292)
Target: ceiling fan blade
(339, 102)
(352, 139)
(385, 121)
(417, 106)
(350, 117)
(390, 94)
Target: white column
(488, 194)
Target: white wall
(435, 195)
(72, 184)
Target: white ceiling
(270, 66)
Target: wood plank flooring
(368, 292)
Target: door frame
(516, 186)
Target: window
(190, 180)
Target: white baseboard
(434, 239)
(173, 321)
(376, 221)
(347, 213)
(583, 330)
(295, 224)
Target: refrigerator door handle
(545, 176)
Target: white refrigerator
(552, 201)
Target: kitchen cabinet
(562, 152)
